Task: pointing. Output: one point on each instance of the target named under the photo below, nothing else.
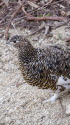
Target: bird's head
(19, 41)
(16, 41)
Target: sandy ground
(23, 105)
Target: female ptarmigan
(47, 67)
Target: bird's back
(58, 60)
(46, 66)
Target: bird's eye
(14, 41)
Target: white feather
(62, 81)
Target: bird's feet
(52, 99)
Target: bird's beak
(8, 42)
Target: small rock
(7, 119)
(68, 109)
(2, 123)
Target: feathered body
(43, 67)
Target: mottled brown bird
(47, 67)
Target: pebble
(68, 109)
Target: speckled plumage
(43, 67)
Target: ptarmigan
(47, 67)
